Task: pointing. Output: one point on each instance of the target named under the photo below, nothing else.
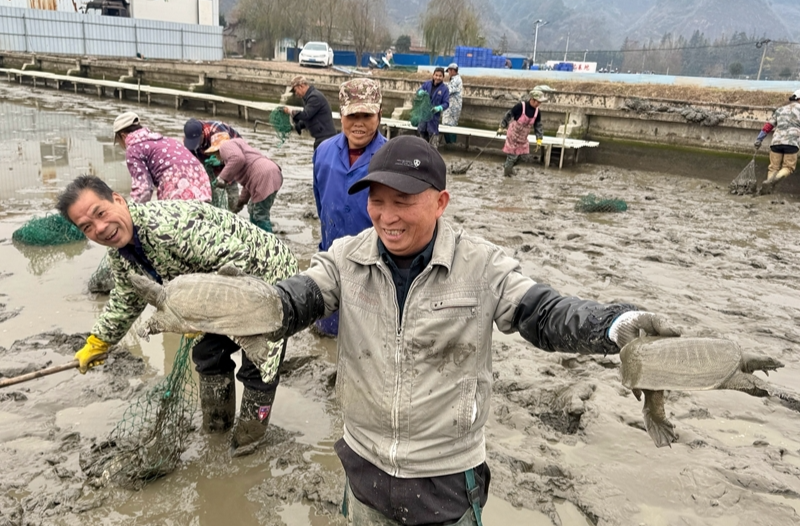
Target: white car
(316, 54)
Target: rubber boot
(217, 401)
(508, 167)
(251, 426)
(770, 185)
(434, 141)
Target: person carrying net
(197, 139)
(785, 125)
(518, 121)
(158, 163)
(163, 240)
(316, 116)
(259, 176)
(439, 95)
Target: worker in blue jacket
(339, 162)
(439, 94)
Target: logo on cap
(417, 163)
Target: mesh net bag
(52, 229)
(282, 124)
(219, 196)
(421, 110)
(590, 203)
(149, 440)
(745, 182)
(102, 281)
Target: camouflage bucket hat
(360, 96)
(539, 95)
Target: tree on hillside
(735, 69)
(449, 23)
(403, 44)
(326, 16)
(365, 22)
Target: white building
(202, 12)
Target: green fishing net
(219, 196)
(102, 281)
(52, 229)
(591, 203)
(421, 109)
(282, 124)
(148, 441)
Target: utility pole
(762, 43)
(567, 48)
(538, 23)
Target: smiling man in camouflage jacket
(163, 240)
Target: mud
(565, 440)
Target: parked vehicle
(316, 54)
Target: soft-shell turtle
(651, 365)
(242, 307)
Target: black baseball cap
(193, 134)
(407, 164)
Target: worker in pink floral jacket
(159, 163)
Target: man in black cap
(417, 299)
(197, 139)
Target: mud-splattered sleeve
(123, 306)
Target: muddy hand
(628, 326)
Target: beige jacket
(415, 395)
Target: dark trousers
(212, 355)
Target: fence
(39, 31)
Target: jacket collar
(366, 251)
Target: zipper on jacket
(398, 359)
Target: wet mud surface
(565, 440)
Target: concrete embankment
(599, 114)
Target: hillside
(592, 25)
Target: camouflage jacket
(786, 123)
(181, 237)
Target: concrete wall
(600, 117)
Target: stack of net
(421, 110)
(590, 203)
(282, 124)
(149, 440)
(52, 229)
(745, 182)
(102, 281)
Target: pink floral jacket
(162, 163)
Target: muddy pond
(717, 264)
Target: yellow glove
(192, 335)
(87, 356)
(538, 144)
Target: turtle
(245, 308)
(651, 365)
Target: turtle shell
(679, 364)
(234, 306)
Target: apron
(518, 131)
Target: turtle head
(759, 362)
(147, 289)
